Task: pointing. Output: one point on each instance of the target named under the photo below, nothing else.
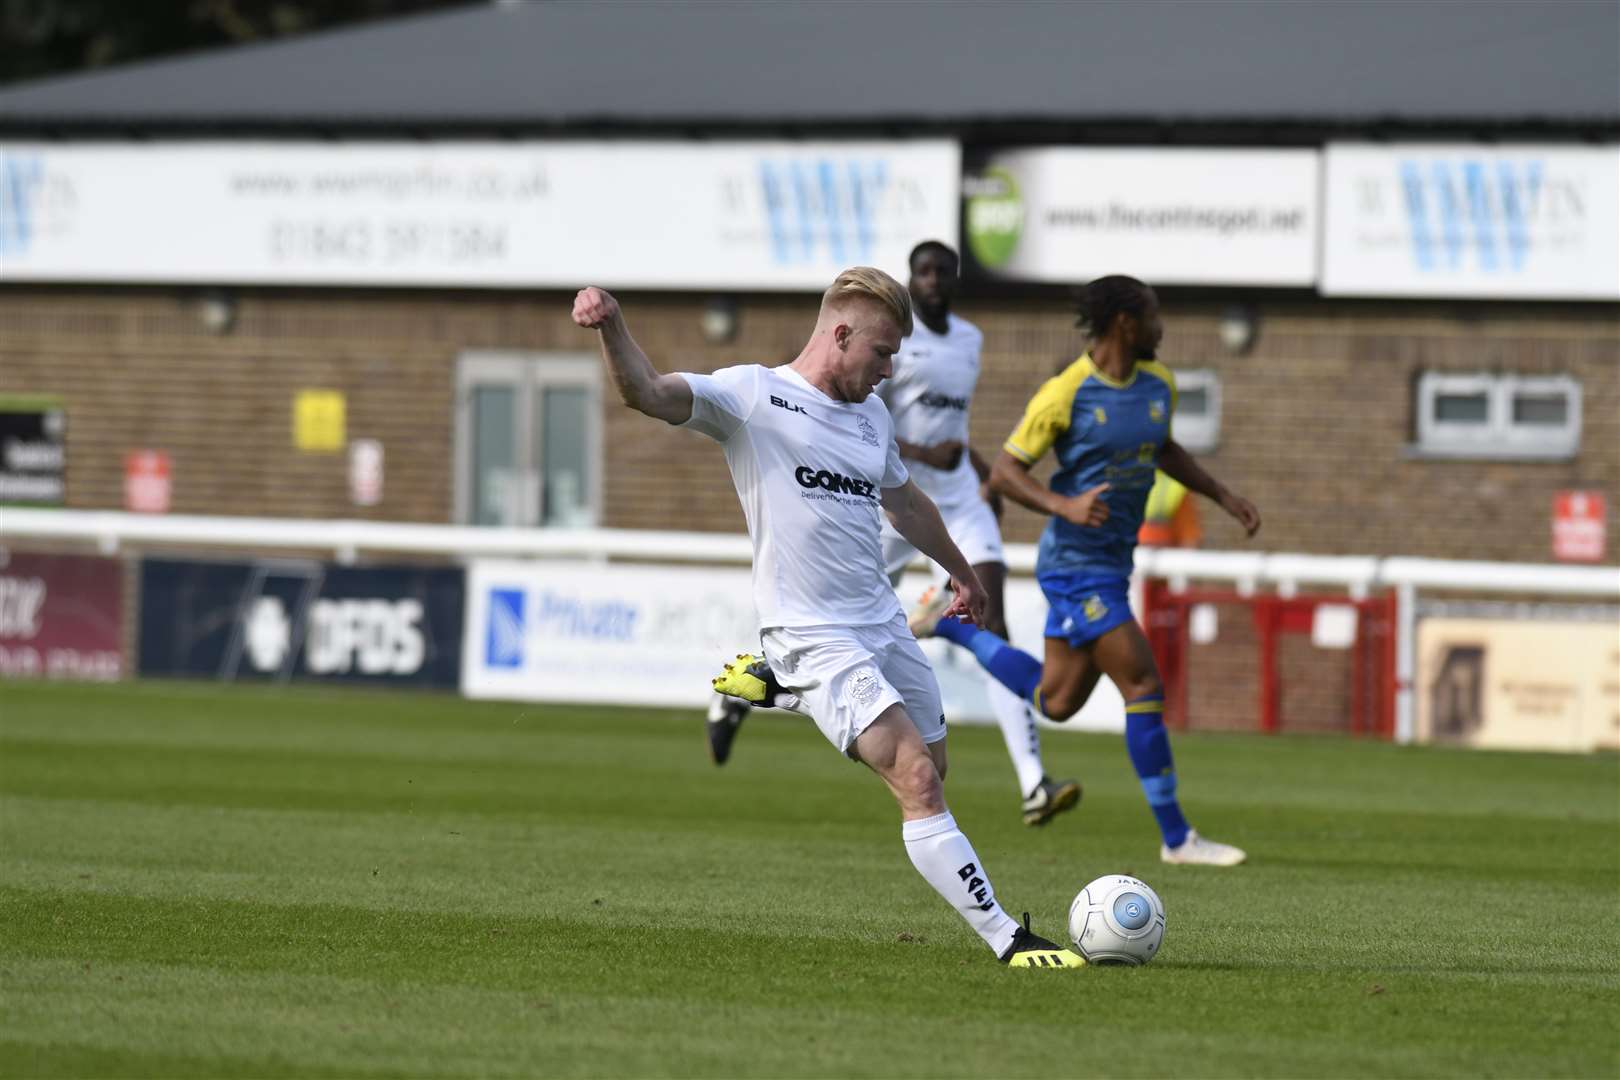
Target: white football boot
(924, 616)
(1196, 851)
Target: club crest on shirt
(863, 687)
(868, 430)
(1102, 417)
(1095, 609)
(1156, 411)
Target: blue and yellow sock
(1148, 743)
(1013, 668)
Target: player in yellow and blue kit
(1107, 419)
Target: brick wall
(1316, 429)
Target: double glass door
(528, 439)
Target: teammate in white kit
(935, 374)
(813, 457)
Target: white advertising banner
(1167, 216)
(1518, 685)
(602, 632)
(655, 635)
(756, 215)
(1537, 222)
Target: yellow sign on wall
(318, 420)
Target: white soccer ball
(1117, 920)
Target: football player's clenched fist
(594, 308)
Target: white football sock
(944, 857)
(1018, 728)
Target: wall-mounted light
(216, 310)
(1240, 326)
(719, 320)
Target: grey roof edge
(71, 80)
(237, 91)
(989, 129)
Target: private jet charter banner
(290, 619)
(758, 215)
(656, 635)
(633, 635)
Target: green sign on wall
(33, 450)
(995, 216)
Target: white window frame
(527, 373)
(1498, 438)
(1199, 434)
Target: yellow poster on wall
(318, 421)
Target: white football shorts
(971, 524)
(847, 675)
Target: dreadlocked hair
(1107, 298)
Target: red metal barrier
(1371, 693)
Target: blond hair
(865, 283)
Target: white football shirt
(928, 395)
(809, 472)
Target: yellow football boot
(1030, 950)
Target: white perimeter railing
(1247, 571)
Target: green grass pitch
(207, 881)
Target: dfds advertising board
(281, 620)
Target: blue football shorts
(1083, 607)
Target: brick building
(1318, 416)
